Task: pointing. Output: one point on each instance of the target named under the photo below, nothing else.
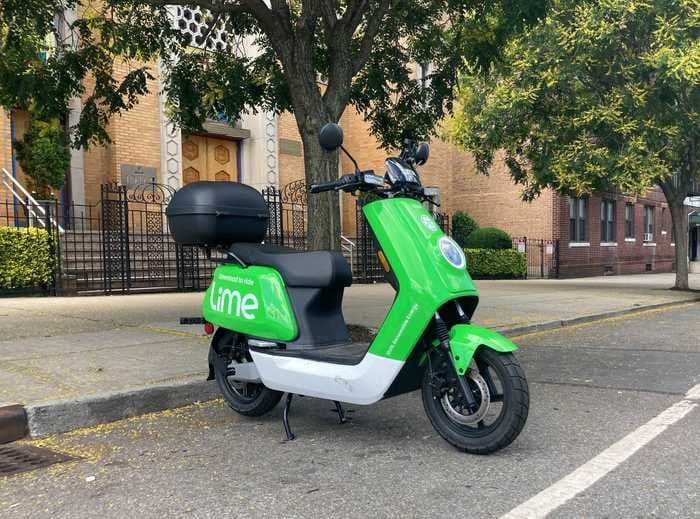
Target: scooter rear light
(208, 328)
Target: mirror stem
(357, 168)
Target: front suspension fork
(444, 337)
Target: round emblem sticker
(452, 252)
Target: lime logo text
(232, 302)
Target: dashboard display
(399, 172)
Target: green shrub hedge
(489, 238)
(26, 259)
(496, 263)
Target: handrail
(30, 199)
(28, 208)
(347, 244)
(347, 240)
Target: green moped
(280, 327)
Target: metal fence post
(542, 246)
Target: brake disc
(475, 417)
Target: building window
(648, 223)
(607, 221)
(578, 219)
(629, 221)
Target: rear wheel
(246, 398)
(501, 396)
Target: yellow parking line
(177, 333)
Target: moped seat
(317, 269)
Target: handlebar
(323, 186)
(362, 180)
(367, 181)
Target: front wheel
(501, 401)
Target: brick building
(602, 234)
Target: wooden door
(209, 158)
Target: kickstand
(341, 412)
(285, 417)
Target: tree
(312, 57)
(462, 226)
(602, 95)
(44, 155)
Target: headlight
(452, 252)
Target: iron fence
(542, 256)
(17, 214)
(287, 208)
(122, 243)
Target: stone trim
(217, 129)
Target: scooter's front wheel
(500, 407)
(246, 398)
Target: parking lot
(592, 386)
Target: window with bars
(629, 220)
(607, 221)
(578, 219)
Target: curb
(59, 416)
(553, 325)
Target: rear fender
(213, 356)
(466, 338)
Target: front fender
(466, 338)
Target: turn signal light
(208, 328)
(383, 261)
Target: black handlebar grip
(323, 186)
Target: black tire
(248, 399)
(513, 397)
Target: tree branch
(353, 14)
(374, 23)
(328, 13)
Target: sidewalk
(84, 348)
(517, 303)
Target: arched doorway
(209, 158)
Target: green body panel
(252, 301)
(466, 338)
(408, 235)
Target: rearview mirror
(330, 137)
(422, 154)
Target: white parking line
(587, 474)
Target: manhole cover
(23, 458)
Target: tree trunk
(323, 222)
(679, 222)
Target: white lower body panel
(363, 383)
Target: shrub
(496, 263)
(462, 226)
(489, 238)
(44, 155)
(26, 259)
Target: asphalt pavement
(596, 389)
